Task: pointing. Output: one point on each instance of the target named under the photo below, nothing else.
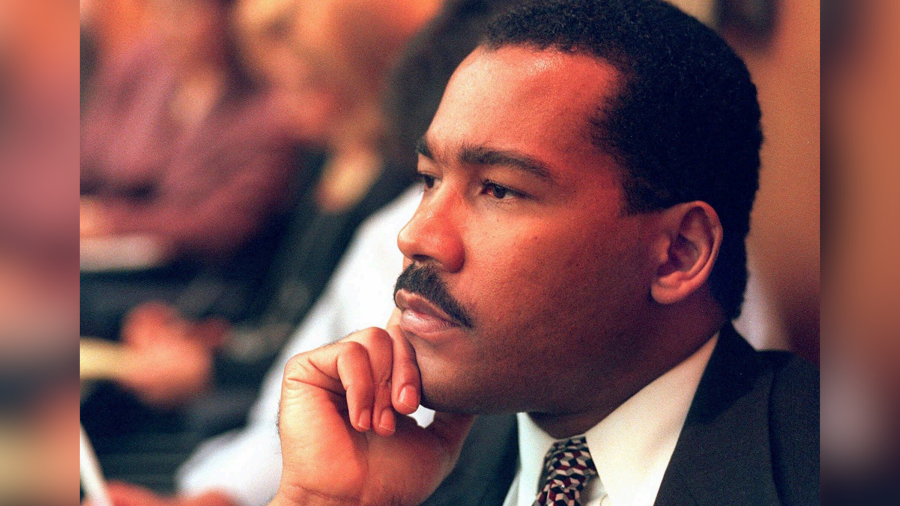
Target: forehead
(539, 102)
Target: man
(575, 259)
(244, 467)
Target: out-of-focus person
(187, 180)
(188, 174)
(356, 178)
(178, 144)
(339, 72)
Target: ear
(689, 241)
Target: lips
(421, 317)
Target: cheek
(540, 278)
(514, 282)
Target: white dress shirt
(631, 447)
(246, 464)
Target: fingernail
(387, 420)
(408, 397)
(365, 420)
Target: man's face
(526, 285)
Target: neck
(684, 328)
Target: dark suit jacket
(751, 438)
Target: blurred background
(861, 328)
(38, 251)
(270, 110)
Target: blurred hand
(92, 219)
(344, 438)
(124, 494)
(173, 356)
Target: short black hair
(417, 82)
(684, 124)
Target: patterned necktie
(567, 467)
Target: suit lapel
(486, 465)
(722, 455)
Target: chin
(449, 395)
(450, 407)
(452, 395)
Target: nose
(433, 234)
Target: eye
(497, 191)
(427, 180)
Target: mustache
(425, 282)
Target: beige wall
(784, 240)
(864, 127)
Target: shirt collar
(631, 447)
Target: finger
(153, 312)
(342, 369)
(144, 322)
(379, 346)
(126, 494)
(134, 327)
(355, 374)
(407, 384)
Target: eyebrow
(481, 155)
(423, 149)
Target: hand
(124, 494)
(172, 356)
(92, 218)
(344, 438)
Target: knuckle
(297, 367)
(295, 364)
(376, 333)
(379, 341)
(352, 349)
(371, 336)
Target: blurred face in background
(327, 58)
(265, 29)
(190, 30)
